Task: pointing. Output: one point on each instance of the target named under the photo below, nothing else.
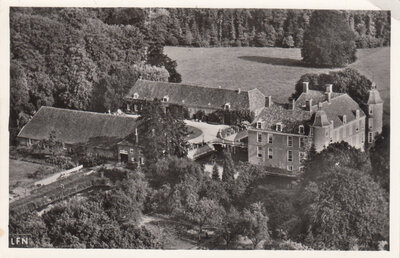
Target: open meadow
(274, 71)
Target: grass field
(274, 71)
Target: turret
(374, 114)
(321, 130)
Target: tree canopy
(328, 40)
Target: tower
(320, 130)
(374, 114)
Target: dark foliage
(328, 40)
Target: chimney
(293, 104)
(305, 87)
(357, 113)
(332, 124)
(136, 136)
(268, 101)
(328, 88)
(309, 104)
(328, 96)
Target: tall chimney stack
(136, 136)
(305, 87)
(328, 88)
(309, 105)
(268, 101)
(293, 104)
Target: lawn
(274, 71)
(19, 170)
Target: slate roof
(73, 126)
(374, 97)
(341, 104)
(315, 95)
(192, 95)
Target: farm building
(194, 98)
(282, 133)
(100, 134)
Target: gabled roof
(192, 95)
(279, 113)
(73, 126)
(315, 95)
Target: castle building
(281, 134)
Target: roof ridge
(194, 85)
(82, 111)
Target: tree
(228, 168)
(343, 208)
(230, 228)
(204, 212)
(215, 173)
(255, 223)
(160, 133)
(328, 40)
(380, 159)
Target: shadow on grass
(274, 60)
(283, 62)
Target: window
(301, 129)
(370, 110)
(133, 159)
(289, 141)
(227, 106)
(135, 95)
(258, 125)
(165, 99)
(362, 138)
(370, 123)
(331, 140)
(344, 119)
(302, 142)
(290, 168)
(259, 137)
(279, 127)
(357, 129)
(131, 150)
(302, 155)
(135, 108)
(290, 156)
(259, 152)
(141, 160)
(311, 131)
(270, 138)
(270, 153)
(326, 133)
(370, 137)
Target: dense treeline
(70, 58)
(246, 27)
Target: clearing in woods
(274, 71)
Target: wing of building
(193, 97)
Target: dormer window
(279, 127)
(227, 106)
(301, 129)
(165, 98)
(259, 125)
(135, 95)
(344, 119)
